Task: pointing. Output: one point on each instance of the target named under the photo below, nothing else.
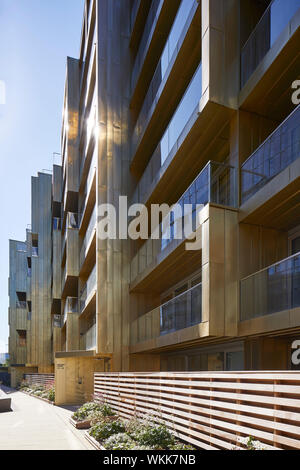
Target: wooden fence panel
(47, 380)
(211, 410)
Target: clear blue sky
(36, 36)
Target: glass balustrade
(88, 235)
(184, 111)
(35, 251)
(272, 23)
(56, 223)
(87, 290)
(166, 57)
(182, 312)
(91, 338)
(272, 290)
(71, 306)
(142, 47)
(88, 184)
(73, 220)
(21, 304)
(277, 152)
(215, 184)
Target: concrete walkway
(36, 425)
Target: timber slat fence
(47, 380)
(211, 410)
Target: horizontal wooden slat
(47, 380)
(210, 410)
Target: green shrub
(86, 410)
(180, 446)
(106, 410)
(103, 430)
(121, 441)
(154, 435)
(51, 394)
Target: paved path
(36, 425)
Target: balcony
(271, 291)
(162, 96)
(89, 197)
(87, 295)
(56, 321)
(71, 306)
(72, 224)
(88, 249)
(91, 338)
(189, 101)
(276, 17)
(34, 251)
(146, 33)
(269, 177)
(182, 312)
(21, 304)
(155, 33)
(273, 156)
(70, 256)
(215, 184)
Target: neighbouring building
(169, 101)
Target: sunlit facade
(188, 102)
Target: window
(35, 245)
(21, 247)
(21, 300)
(22, 338)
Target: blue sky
(36, 36)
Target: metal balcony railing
(71, 306)
(73, 220)
(280, 149)
(35, 251)
(166, 57)
(88, 236)
(87, 290)
(56, 223)
(91, 338)
(272, 23)
(183, 311)
(179, 313)
(216, 184)
(169, 141)
(147, 30)
(272, 290)
(21, 304)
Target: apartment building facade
(185, 102)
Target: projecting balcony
(176, 321)
(270, 299)
(216, 184)
(271, 56)
(70, 256)
(89, 198)
(155, 32)
(88, 248)
(71, 307)
(88, 340)
(71, 230)
(162, 98)
(277, 16)
(88, 294)
(270, 177)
